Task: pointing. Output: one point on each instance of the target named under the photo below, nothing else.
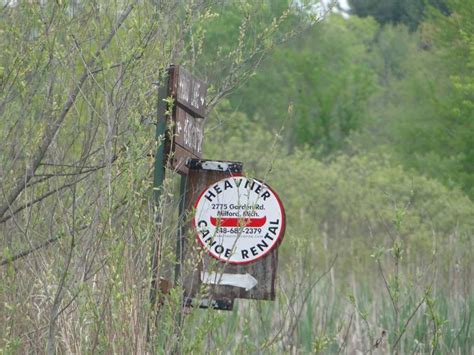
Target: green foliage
(365, 132)
(357, 207)
(320, 344)
(423, 108)
(407, 12)
(226, 46)
(454, 43)
(322, 81)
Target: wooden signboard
(185, 134)
(231, 248)
(228, 246)
(188, 91)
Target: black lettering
(211, 241)
(268, 236)
(219, 249)
(209, 195)
(245, 254)
(204, 233)
(276, 222)
(262, 245)
(227, 253)
(202, 223)
(273, 230)
(217, 188)
(247, 184)
(258, 189)
(227, 185)
(265, 195)
(254, 251)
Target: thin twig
(305, 299)
(54, 126)
(344, 343)
(387, 287)
(408, 321)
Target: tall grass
(375, 260)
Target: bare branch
(408, 322)
(41, 198)
(34, 248)
(53, 128)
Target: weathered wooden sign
(188, 132)
(234, 253)
(185, 135)
(228, 249)
(188, 91)
(239, 220)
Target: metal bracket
(215, 165)
(222, 305)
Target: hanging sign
(239, 220)
(225, 278)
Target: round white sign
(239, 220)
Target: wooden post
(158, 179)
(180, 140)
(181, 227)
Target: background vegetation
(364, 124)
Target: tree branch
(53, 128)
(41, 198)
(34, 248)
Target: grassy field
(375, 260)
(364, 129)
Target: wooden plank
(189, 132)
(188, 91)
(177, 159)
(186, 133)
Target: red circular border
(275, 245)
